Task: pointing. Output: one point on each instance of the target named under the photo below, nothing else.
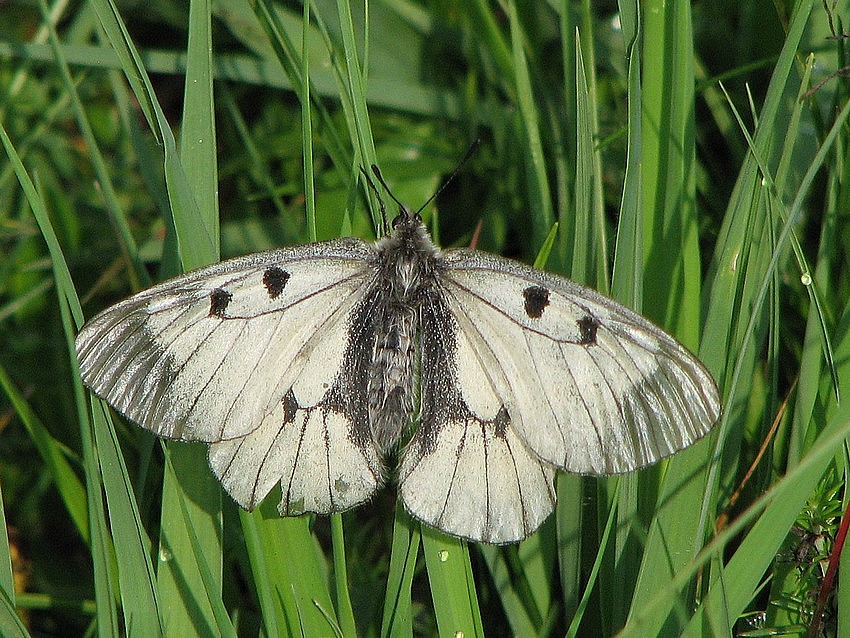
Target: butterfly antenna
(469, 153)
(380, 178)
(377, 172)
(378, 195)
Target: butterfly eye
(406, 216)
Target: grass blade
(397, 620)
(189, 573)
(452, 584)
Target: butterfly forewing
(176, 358)
(591, 386)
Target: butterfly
(319, 366)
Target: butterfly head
(407, 229)
(406, 218)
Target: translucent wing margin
(248, 355)
(590, 386)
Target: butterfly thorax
(407, 262)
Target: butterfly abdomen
(391, 377)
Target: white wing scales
(524, 372)
(591, 386)
(476, 479)
(164, 360)
(310, 451)
(246, 355)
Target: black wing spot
(219, 300)
(501, 423)
(536, 299)
(274, 279)
(587, 327)
(290, 407)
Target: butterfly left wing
(248, 355)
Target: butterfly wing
(247, 355)
(524, 371)
(465, 470)
(590, 386)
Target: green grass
(612, 153)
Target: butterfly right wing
(591, 386)
(250, 355)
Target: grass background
(686, 158)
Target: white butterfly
(299, 366)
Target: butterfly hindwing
(465, 470)
(591, 386)
(249, 355)
(314, 452)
